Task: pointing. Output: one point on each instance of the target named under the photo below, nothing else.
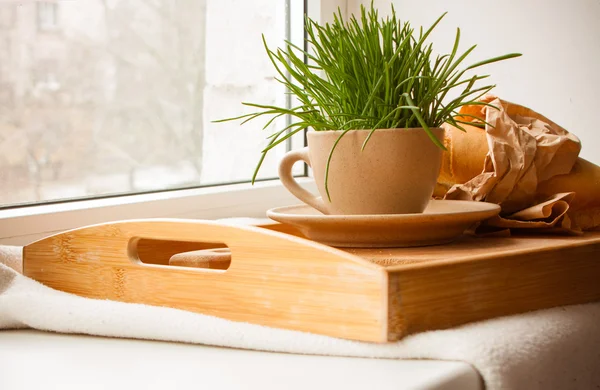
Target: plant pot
(395, 173)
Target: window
(124, 99)
(47, 15)
(43, 60)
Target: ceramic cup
(395, 173)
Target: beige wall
(559, 73)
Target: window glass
(101, 97)
(47, 15)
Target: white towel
(549, 349)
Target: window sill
(21, 226)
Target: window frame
(22, 225)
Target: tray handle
(117, 243)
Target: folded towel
(549, 349)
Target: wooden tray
(279, 279)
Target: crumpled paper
(525, 148)
(546, 217)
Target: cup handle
(288, 181)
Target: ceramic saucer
(442, 221)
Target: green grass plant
(369, 73)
